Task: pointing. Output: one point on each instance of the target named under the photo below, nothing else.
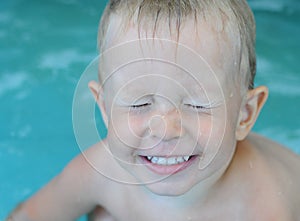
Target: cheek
(214, 132)
(218, 143)
(127, 130)
(138, 125)
(223, 130)
(223, 138)
(202, 129)
(208, 129)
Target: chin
(165, 188)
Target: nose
(166, 126)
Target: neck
(196, 197)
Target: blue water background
(46, 45)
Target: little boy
(176, 94)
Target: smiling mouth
(168, 165)
(168, 161)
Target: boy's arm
(66, 197)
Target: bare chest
(223, 209)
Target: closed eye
(136, 106)
(140, 108)
(196, 106)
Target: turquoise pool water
(46, 45)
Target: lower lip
(168, 169)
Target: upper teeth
(168, 160)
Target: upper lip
(161, 152)
(166, 156)
(169, 150)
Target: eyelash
(199, 108)
(143, 107)
(137, 106)
(196, 106)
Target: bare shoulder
(103, 175)
(282, 162)
(94, 168)
(275, 153)
(277, 169)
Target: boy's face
(172, 108)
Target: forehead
(200, 51)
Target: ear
(97, 92)
(250, 110)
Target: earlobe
(250, 110)
(97, 92)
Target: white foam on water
(11, 81)
(24, 131)
(5, 17)
(15, 151)
(288, 88)
(277, 80)
(266, 5)
(22, 94)
(263, 65)
(63, 59)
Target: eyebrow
(122, 100)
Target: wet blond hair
(231, 16)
